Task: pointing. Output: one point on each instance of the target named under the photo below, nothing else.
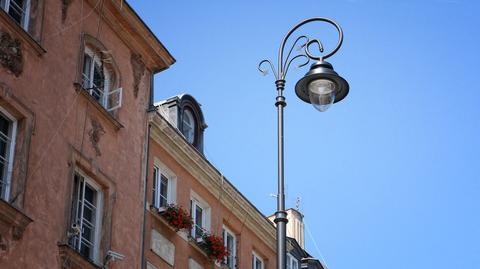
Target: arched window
(98, 80)
(188, 126)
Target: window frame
(256, 257)
(159, 170)
(196, 200)
(188, 114)
(233, 253)
(6, 5)
(290, 262)
(12, 136)
(95, 257)
(95, 59)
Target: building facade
(89, 167)
(179, 174)
(75, 86)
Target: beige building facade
(190, 181)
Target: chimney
(295, 226)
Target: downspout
(151, 109)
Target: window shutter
(114, 99)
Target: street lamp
(321, 87)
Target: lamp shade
(322, 86)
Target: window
(8, 127)
(97, 80)
(188, 126)
(257, 262)
(198, 215)
(86, 208)
(200, 212)
(164, 185)
(18, 11)
(292, 262)
(231, 246)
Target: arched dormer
(184, 113)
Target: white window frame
(256, 257)
(171, 184)
(12, 136)
(196, 200)
(291, 260)
(90, 77)
(5, 5)
(107, 93)
(233, 253)
(188, 114)
(98, 216)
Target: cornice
(206, 174)
(135, 34)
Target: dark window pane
(89, 194)
(198, 216)
(85, 250)
(98, 77)
(16, 10)
(88, 214)
(163, 190)
(154, 190)
(4, 125)
(87, 65)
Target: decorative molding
(25, 130)
(11, 56)
(95, 134)
(102, 111)
(162, 247)
(13, 223)
(65, 5)
(138, 70)
(71, 259)
(135, 34)
(15, 30)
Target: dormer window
(188, 126)
(184, 113)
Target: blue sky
(389, 176)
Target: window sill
(156, 213)
(71, 259)
(14, 219)
(193, 242)
(13, 26)
(99, 107)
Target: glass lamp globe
(321, 93)
(322, 86)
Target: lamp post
(321, 87)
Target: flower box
(213, 247)
(177, 217)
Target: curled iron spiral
(306, 54)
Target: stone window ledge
(21, 33)
(71, 259)
(14, 219)
(100, 108)
(155, 212)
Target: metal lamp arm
(283, 65)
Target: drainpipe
(151, 109)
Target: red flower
(214, 247)
(178, 217)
